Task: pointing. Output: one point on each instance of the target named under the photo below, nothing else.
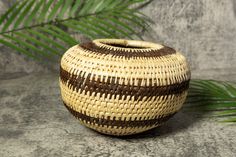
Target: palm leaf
(15, 12)
(33, 13)
(45, 10)
(8, 12)
(44, 27)
(17, 48)
(215, 97)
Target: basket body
(122, 87)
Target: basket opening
(126, 46)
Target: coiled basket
(122, 87)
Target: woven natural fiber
(122, 87)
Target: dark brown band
(120, 123)
(122, 52)
(112, 87)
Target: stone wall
(204, 30)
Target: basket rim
(126, 44)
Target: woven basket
(122, 87)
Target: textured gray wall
(204, 30)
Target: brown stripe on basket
(111, 87)
(120, 123)
(142, 52)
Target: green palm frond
(44, 27)
(216, 97)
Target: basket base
(118, 127)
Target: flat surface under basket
(34, 122)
